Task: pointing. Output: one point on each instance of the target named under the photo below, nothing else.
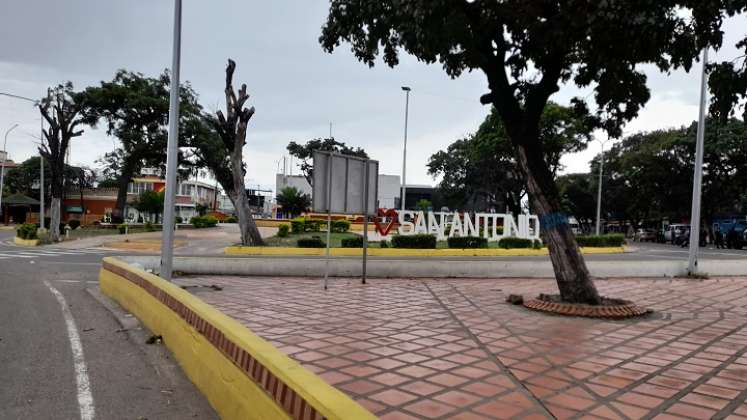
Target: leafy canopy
(293, 201)
(305, 153)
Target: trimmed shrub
(511, 242)
(231, 219)
(313, 242)
(149, 227)
(27, 231)
(340, 226)
(298, 225)
(537, 244)
(200, 222)
(74, 224)
(467, 242)
(122, 229)
(354, 242)
(312, 225)
(420, 241)
(178, 219)
(283, 230)
(383, 244)
(594, 241)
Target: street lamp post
(692, 261)
(599, 189)
(41, 158)
(404, 152)
(167, 240)
(2, 165)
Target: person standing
(719, 237)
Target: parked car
(645, 235)
(673, 232)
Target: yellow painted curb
(216, 369)
(403, 252)
(25, 242)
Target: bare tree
(62, 111)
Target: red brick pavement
(454, 349)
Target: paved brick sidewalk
(454, 349)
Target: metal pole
(365, 223)
(329, 216)
(41, 181)
(404, 151)
(2, 165)
(167, 241)
(692, 262)
(599, 189)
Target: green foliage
(201, 208)
(301, 225)
(298, 225)
(511, 242)
(537, 244)
(592, 241)
(384, 244)
(464, 242)
(354, 242)
(231, 219)
(122, 228)
(340, 226)
(283, 230)
(313, 242)
(305, 152)
(149, 227)
(200, 222)
(150, 202)
(178, 219)
(420, 241)
(74, 224)
(27, 231)
(424, 205)
(293, 201)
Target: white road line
(68, 281)
(85, 399)
(16, 255)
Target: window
(139, 187)
(186, 189)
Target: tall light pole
(692, 261)
(599, 189)
(2, 164)
(404, 151)
(41, 158)
(167, 239)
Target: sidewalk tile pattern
(432, 349)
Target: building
(98, 204)
(7, 164)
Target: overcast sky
(296, 88)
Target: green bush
(340, 226)
(283, 230)
(74, 224)
(178, 219)
(354, 242)
(420, 241)
(149, 227)
(313, 242)
(231, 219)
(511, 242)
(122, 229)
(27, 231)
(467, 242)
(311, 225)
(594, 241)
(537, 244)
(297, 225)
(200, 222)
(383, 244)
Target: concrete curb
(295, 266)
(242, 375)
(26, 242)
(404, 252)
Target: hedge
(122, 229)
(594, 241)
(74, 224)
(354, 242)
(283, 230)
(511, 242)
(340, 226)
(313, 242)
(231, 219)
(464, 242)
(200, 222)
(301, 225)
(27, 231)
(421, 241)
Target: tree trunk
(54, 221)
(249, 233)
(118, 215)
(574, 282)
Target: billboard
(341, 182)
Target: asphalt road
(40, 369)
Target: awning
(74, 209)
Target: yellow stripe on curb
(403, 252)
(230, 390)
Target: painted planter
(25, 242)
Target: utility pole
(404, 152)
(167, 241)
(599, 189)
(692, 261)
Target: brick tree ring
(610, 308)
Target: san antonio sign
(448, 224)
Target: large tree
(305, 153)
(135, 109)
(219, 145)
(480, 171)
(527, 49)
(62, 110)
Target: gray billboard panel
(344, 179)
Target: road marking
(85, 399)
(15, 255)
